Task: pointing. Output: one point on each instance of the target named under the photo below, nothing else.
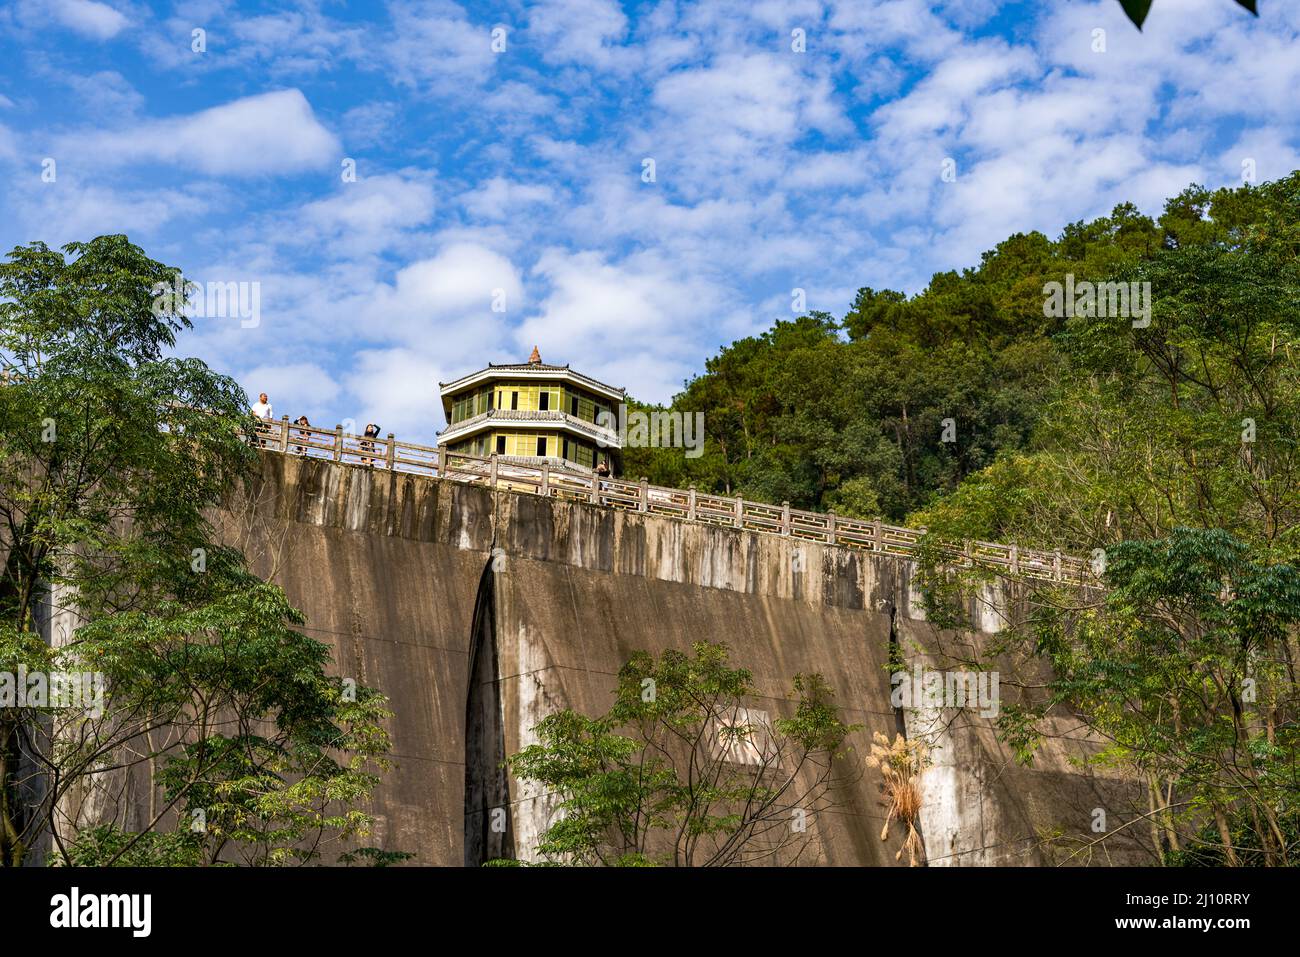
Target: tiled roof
(533, 367)
(527, 365)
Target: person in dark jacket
(303, 434)
(372, 432)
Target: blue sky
(515, 177)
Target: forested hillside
(1068, 431)
(1161, 442)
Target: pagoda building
(530, 413)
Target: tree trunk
(1225, 835)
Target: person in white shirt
(261, 411)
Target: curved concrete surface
(396, 572)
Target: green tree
(1186, 668)
(862, 414)
(112, 456)
(1190, 420)
(1168, 452)
(680, 772)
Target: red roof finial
(536, 358)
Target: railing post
(595, 489)
(391, 454)
(1015, 559)
(785, 518)
(442, 461)
(740, 513)
(1056, 565)
(546, 479)
(284, 437)
(966, 557)
(831, 534)
(690, 505)
(877, 537)
(644, 504)
(493, 470)
(338, 443)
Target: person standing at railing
(372, 432)
(303, 434)
(262, 411)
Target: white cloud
(522, 172)
(829, 169)
(87, 17)
(1263, 152)
(967, 13)
(288, 385)
(444, 305)
(305, 316)
(733, 126)
(296, 43)
(370, 124)
(459, 280)
(945, 99)
(434, 45)
(578, 31)
(267, 133)
(1050, 131)
(519, 103)
(499, 198)
(634, 323)
(397, 389)
(103, 94)
(71, 209)
(864, 27)
(365, 216)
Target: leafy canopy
(113, 456)
(680, 772)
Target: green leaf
(1137, 10)
(115, 454)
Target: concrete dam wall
(479, 611)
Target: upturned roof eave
(527, 370)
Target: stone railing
(689, 505)
(532, 416)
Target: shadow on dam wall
(396, 572)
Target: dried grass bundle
(901, 763)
